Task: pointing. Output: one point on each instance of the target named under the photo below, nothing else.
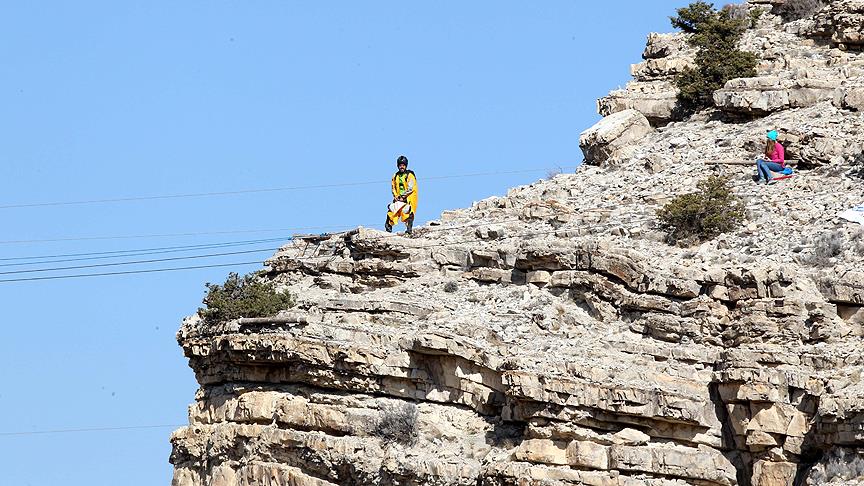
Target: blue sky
(113, 99)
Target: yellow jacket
(405, 184)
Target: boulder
(757, 96)
(612, 134)
(652, 91)
(665, 45)
(853, 98)
(657, 100)
(660, 68)
(761, 95)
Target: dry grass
(397, 423)
(838, 466)
(827, 246)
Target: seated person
(773, 159)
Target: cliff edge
(553, 337)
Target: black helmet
(402, 160)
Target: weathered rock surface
(794, 71)
(652, 92)
(612, 135)
(551, 337)
(841, 21)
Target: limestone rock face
(842, 21)
(562, 344)
(552, 336)
(657, 100)
(652, 92)
(793, 71)
(612, 134)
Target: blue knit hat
(772, 135)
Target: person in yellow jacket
(404, 205)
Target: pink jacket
(779, 155)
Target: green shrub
(692, 218)
(715, 34)
(242, 297)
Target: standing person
(404, 205)
(774, 159)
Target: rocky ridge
(552, 337)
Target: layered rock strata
(553, 337)
(505, 359)
(652, 91)
(802, 63)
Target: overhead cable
(44, 259)
(88, 429)
(138, 262)
(129, 272)
(194, 267)
(264, 190)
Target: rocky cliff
(552, 337)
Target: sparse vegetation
(754, 16)
(827, 246)
(715, 34)
(799, 9)
(858, 166)
(451, 287)
(552, 173)
(246, 296)
(737, 11)
(397, 423)
(839, 465)
(743, 11)
(832, 244)
(700, 216)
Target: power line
(89, 429)
(262, 190)
(184, 248)
(41, 260)
(127, 253)
(166, 235)
(270, 230)
(194, 267)
(129, 272)
(138, 262)
(217, 245)
(330, 227)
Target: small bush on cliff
(700, 216)
(553, 173)
(799, 9)
(832, 244)
(397, 423)
(246, 296)
(840, 466)
(858, 166)
(742, 11)
(825, 247)
(715, 34)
